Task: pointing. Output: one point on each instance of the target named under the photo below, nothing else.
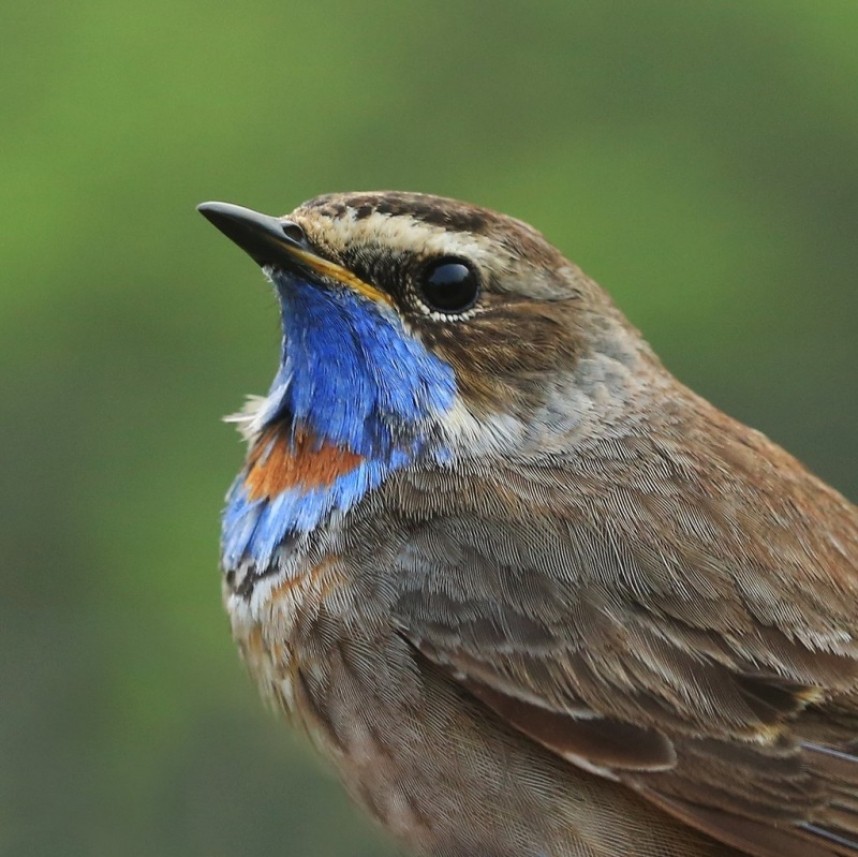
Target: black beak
(282, 244)
(267, 240)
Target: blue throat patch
(353, 380)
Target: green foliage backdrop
(699, 158)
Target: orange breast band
(277, 463)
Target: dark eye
(448, 285)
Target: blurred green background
(699, 158)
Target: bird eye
(448, 286)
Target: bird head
(415, 328)
(412, 321)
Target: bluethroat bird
(531, 595)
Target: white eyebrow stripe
(401, 233)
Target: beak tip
(259, 235)
(211, 210)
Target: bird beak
(267, 241)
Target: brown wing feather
(753, 837)
(597, 742)
(672, 628)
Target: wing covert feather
(661, 651)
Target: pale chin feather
(247, 419)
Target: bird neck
(291, 483)
(350, 374)
(356, 397)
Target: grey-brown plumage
(591, 615)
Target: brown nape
(496, 351)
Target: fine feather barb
(753, 837)
(840, 842)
